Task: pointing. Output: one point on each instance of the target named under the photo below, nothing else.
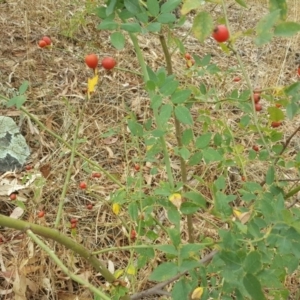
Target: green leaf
(23, 88)
(169, 87)
(180, 289)
(183, 115)
(154, 27)
(156, 102)
(287, 29)
(135, 128)
(131, 27)
(279, 5)
(165, 113)
(195, 159)
(187, 136)
(117, 40)
(276, 114)
(184, 153)
(108, 25)
(241, 3)
(196, 198)
(270, 176)
(252, 263)
(202, 26)
(190, 251)
(188, 208)
(203, 140)
(211, 155)
(166, 18)
(111, 7)
(264, 26)
(233, 260)
(253, 287)
(174, 235)
(18, 101)
(169, 6)
(133, 211)
(222, 204)
(164, 272)
(133, 6)
(153, 7)
(169, 249)
(180, 96)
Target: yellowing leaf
(236, 213)
(118, 273)
(176, 199)
(131, 270)
(92, 82)
(116, 208)
(197, 293)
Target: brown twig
(158, 288)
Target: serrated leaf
(135, 128)
(287, 29)
(165, 113)
(253, 287)
(252, 263)
(211, 155)
(164, 272)
(202, 26)
(196, 198)
(183, 115)
(133, 6)
(117, 40)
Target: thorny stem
(178, 136)
(155, 112)
(64, 268)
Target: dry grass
(58, 81)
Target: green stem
(61, 239)
(155, 112)
(178, 137)
(63, 267)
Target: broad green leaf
(133, 6)
(211, 155)
(287, 29)
(164, 272)
(203, 140)
(154, 27)
(156, 102)
(180, 289)
(135, 128)
(188, 208)
(111, 7)
(253, 287)
(270, 176)
(180, 96)
(279, 4)
(196, 198)
(195, 159)
(117, 40)
(131, 27)
(169, 6)
(220, 183)
(233, 260)
(23, 88)
(108, 25)
(166, 18)
(202, 26)
(222, 206)
(169, 87)
(18, 101)
(184, 153)
(276, 114)
(190, 251)
(183, 115)
(252, 264)
(291, 110)
(153, 7)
